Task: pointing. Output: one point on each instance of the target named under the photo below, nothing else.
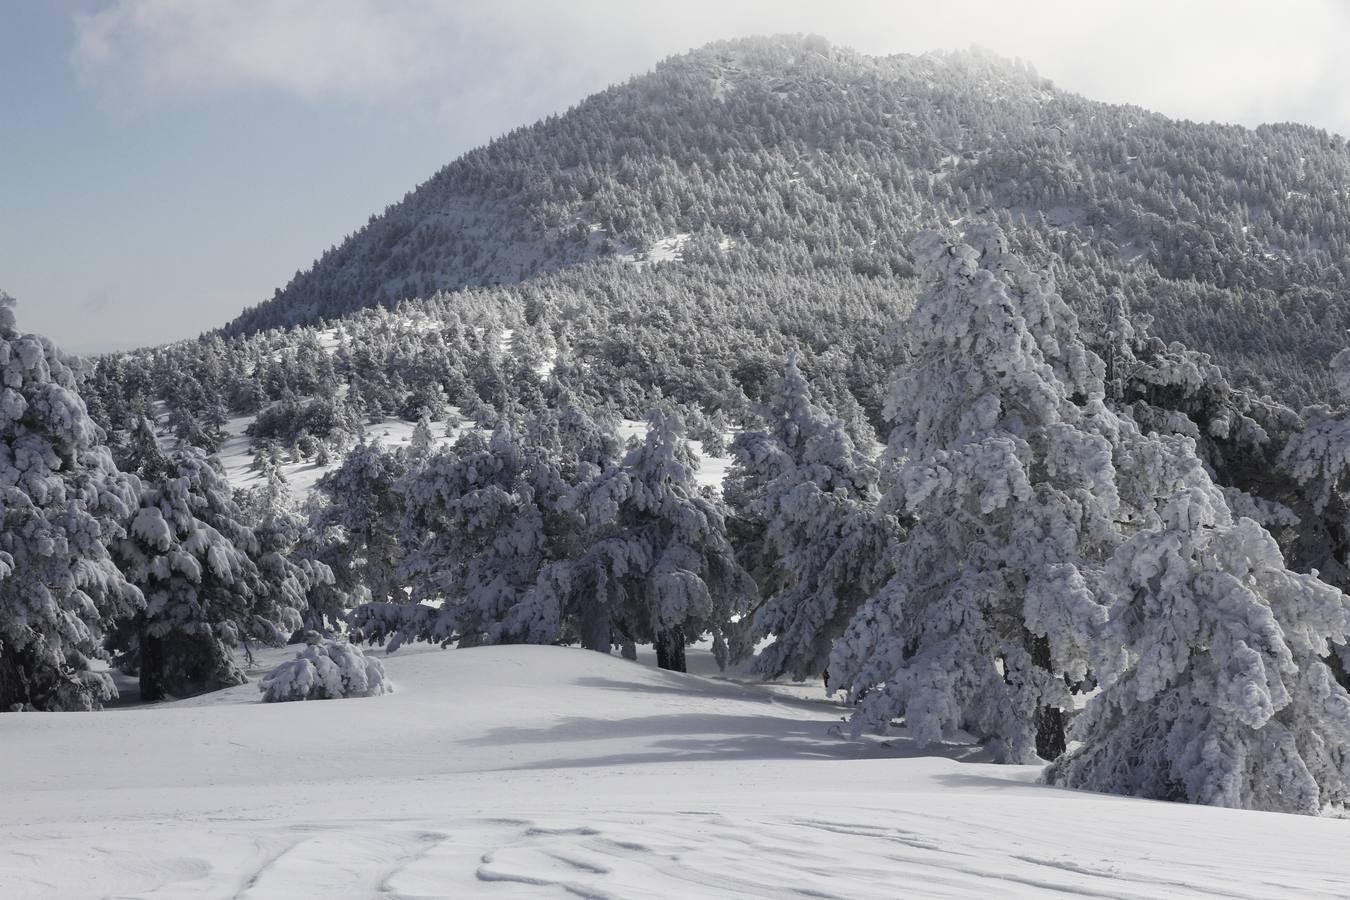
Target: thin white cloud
(314, 50)
(1235, 60)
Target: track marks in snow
(867, 852)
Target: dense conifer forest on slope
(790, 158)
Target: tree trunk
(151, 668)
(1337, 664)
(14, 688)
(184, 665)
(595, 627)
(670, 649)
(1049, 720)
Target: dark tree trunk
(670, 649)
(15, 692)
(595, 627)
(1338, 668)
(1049, 720)
(151, 668)
(183, 665)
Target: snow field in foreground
(555, 772)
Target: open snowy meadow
(556, 772)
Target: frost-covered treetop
(8, 323)
(998, 337)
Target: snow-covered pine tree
(474, 529)
(61, 500)
(1316, 457)
(823, 546)
(657, 564)
(292, 574)
(423, 439)
(1003, 454)
(1222, 696)
(483, 523)
(190, 553)
(363, 507)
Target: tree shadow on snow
(696, 737)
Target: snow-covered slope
(553, 772)
(236, 453)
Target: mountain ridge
(791, 153)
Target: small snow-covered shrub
(327, 670)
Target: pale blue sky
(165, 163)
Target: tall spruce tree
(291, 569)
(362, 510)
(657, 561)
(1005, 460)
(62, 500)
(823, 546)
(191, 553)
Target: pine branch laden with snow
(61, 501)
(326, 670)
(1223, 696)
(1005, 461)
(820, 545)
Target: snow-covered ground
(555, 772)
(236, 453)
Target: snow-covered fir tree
(483, 524)
(361, 510)
(190, 552)
(1004, 459)
(657, 562)
(423, 439)
(475, 535)
(292, 573)
(1222, 695)
(823, 546)
(62, 500)
(1316, 458)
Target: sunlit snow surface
(236, 453)
(557, 772)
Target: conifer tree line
(1078, 543)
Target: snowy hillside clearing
(553, 772)
(237, 452)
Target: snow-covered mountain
(777, 156)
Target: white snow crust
(557, 772)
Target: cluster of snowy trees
(148, 559)
(549, 531)
(1079, 544)
(1059, 549)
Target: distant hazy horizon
(170, 164)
